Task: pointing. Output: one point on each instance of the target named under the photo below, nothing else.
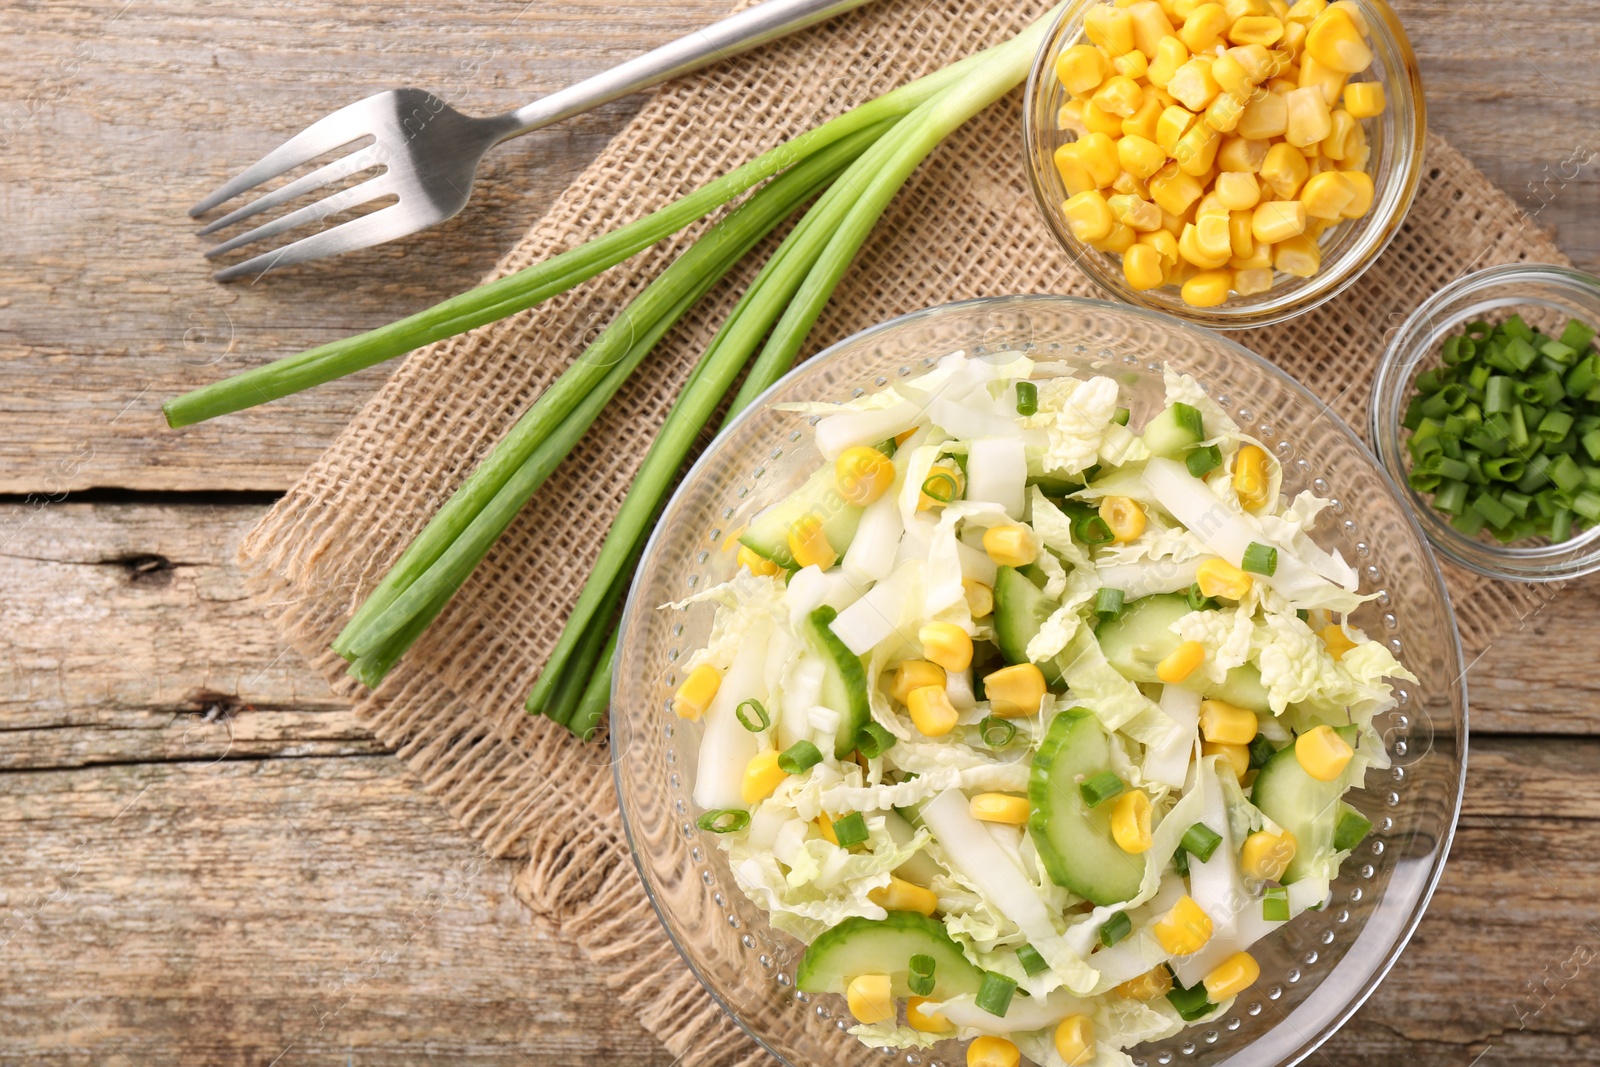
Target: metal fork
(429, 151)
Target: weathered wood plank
(107, 308)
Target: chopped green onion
(1191, 1003)
(1504, 469)
(1091, 529)
(1031, 961)
(724, 820)
(1180, 862)
(799, 758)
(920, 979)
(1561, 525)
(996, 732)
(873, 740)
(941, 487)
(1202, 461)
(1577, 335)
(1027, 398)
(1450, 497)
(1497, 395)
(1099, 788)
(1108, 602)
(1587, 504)
(1120, 416)
(1554, 426)
(1115, 929)
(1494, 512)
(1351, 829)
(1198, 601)
(1517, 502)
(1302, 614)
(761, 721)
(850, 829)
(1275, 904)
(1260, 559)
(1200, 841)
(1564, 473)
(995, 993)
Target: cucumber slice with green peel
(1175, 431)
(1352, 828)
(1141, 637)
(844, 680)
(1308, 809)
(768, 533)
(1074, 840)
(1020, 611)
(860, 946)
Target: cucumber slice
(1141, 637)
(1352, 829)
(860, 946)
(1074, 840)
(1174, 431)
(1020, 610)
(1308, 809)
(768, 533)
(844, 679)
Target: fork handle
(720, 40)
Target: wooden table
(205, 859)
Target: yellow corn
(1313, 75)
(1241, 155)
(1109, 27)
(1135, 212)
(1251, 478)
(1119, 240)
(1139, 156)
(1126, 184)
(1120, 95)
(1088, 216)
(1171, 53)
(824, 826)
(863, 474)
(870, 998)
(1278, 220)
(1142, 123)
(1143, 267)
(1099, 154)
(1124, 516)
(1130, 822)
(1070, 117)
(694, 696)
(1353, 9)
(1260, 259)
(1075, 1040)
(1248, 281)
(1156, 982)
(989, 1051)
(1211, 234)
(1231, 977)
(1265, 116)
(1191, 251)
(1185, 929)
(1309, 118)
(1098, 120)
(1069, 164)
(1265, 856)
(1210, 204)
(946, 644)
(1192, 85)
(1000, 808)
(1336, 640)
(929, 1022)
(1150, 25)
(1173, 122)
(931, 711)
(980, 597)
(1227, 723)
(1236, 756)
(1299, 255)
(1223, 113)
(1010, 545)
(1238, 9)
(1238, 191)
(1264, 30)
(950, 478)
(901, 895)
(1335, 41)
(1183, 660)
(1341, 136)
(914, 674)
(1081, 69)
(756, 563)
(762, 776)
(1203, 26)
(808, 542)
(1305, 12)
(1015, 690)
(1364, 100)
(1218, 577)
(1241, 235)
(1132, 65)
(1322, 753)
(1294, 37)
(1284, 170)
(1361, 182)
(1206, 289)
(1327, 194)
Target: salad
(1030, 725)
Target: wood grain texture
(106, 307)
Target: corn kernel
(929, 1022)
(1203, 26)
(1218, 577)
(1074, 1039)
(1150, 25)
(1120, 95)
(1074, 175)
(1263, 30)
(1000, 808)
(1165, 243)
(824, 827)
(1251, 477)
(1241, 155)
(1299, 255)
(694, 696)
(1109, 27)
(762, 776)
(1212, 235)
(1241, 235)
(1142, 267)
(1207, 289)
(1010, 545)
(1259, 259)
(1180, 274)
(1336, 640)
(980, 597)
(950, 479)
(1130, 822)
(1187, 657)
(1231, 76)
(1265, 856)
(1132, 65)
(1156, 982)
(1334, 41)
(931, 710)
(1327, 194)
(1231, 977)
(1171, 124)
(1190, 249)
(1227, 723)
(1173, 226)
(1119, 240)
(1294, 37)
(1126, 184)
(1353, 9)
(1264, 117)
(1138, 213)
(1098, 120)
(1305, 12)
(1140, 157)
(989, 1051)
(1364, 100)
(1124, 517)
(1361, 182)
(808, 542)
(1185, 929)
(1015, 690)
(1309, 118)
(1284, 170)
(1278, 221)
(1223, 113)
(870, 998)
(1174, 190)
(1142, 123)
(1088, 215)
(1341, 135)
(1192, 85)
(1099, 153)
(1070, 117)
(1322, 753)
(914, 674)
(1235, 756)
(1171, 53)
(1081, 69)
(901, 895)
(756, 563)
(946, 644)
(1238, 9)
(863, 474)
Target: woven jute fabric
(964, 226)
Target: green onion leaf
(994, 995)
(752, 707)
(873, 740)
(1261, 750)
(1351, 830)
(1031, 961)
(799, 758)
(1190, 1003)
(1180, 862)
(996, 732)
(1200, 841)
(1275, 904)
(724, 820)
(1027, 398)
(1202, 461)
(1198, 601)
(1260, 559)
(1099, 788)
(920, 979)
(940, 486)
(850, 829)
(1108, 602)
(1120, 416)
(1115, 929)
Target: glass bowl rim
(1430, 563)
(1408, 350)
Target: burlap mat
(965, 226)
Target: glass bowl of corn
(1232, 162)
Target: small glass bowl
(1396, 138)
(1546, 296)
